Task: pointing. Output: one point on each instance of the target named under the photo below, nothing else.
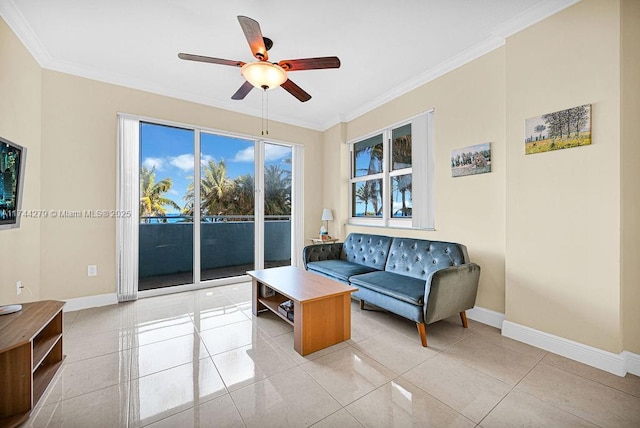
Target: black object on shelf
(286, 309)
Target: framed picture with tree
(562, 129)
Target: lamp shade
(263, 74)
(326, 214)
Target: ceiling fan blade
(310, 63)
(252, 32)
(296, 91)
(200, 58)
(243, 91)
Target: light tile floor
(201, 359)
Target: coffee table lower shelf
(272, 304)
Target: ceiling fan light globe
(263, 74)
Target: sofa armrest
(450, 291)
(318, 252)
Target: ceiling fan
(262, 73)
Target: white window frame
(422, 176)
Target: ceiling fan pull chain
(267, 132)
(262, 115)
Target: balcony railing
(166, 243)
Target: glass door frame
(297, 238)
(296, 201)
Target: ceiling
(385, 49)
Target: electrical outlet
(92, 270)
(19, 287)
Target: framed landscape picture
(471, 160)
(558, 130)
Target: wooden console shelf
(30, 355)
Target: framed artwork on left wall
(471, 160)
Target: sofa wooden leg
(423, 333)
(463, 317)
(361, 304)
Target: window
(392, 176)
(366, 187)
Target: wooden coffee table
(322, 306)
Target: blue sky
(170, 150)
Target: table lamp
(326, 216)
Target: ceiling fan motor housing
(268, 43)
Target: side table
(323, 241)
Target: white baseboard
(632, 362)
(618, 364)
(603, 360)
(87, 302)
(486, 316)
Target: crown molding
(531, 16)
(498, 35)
(497, 39)
(452, 63)
(21, 28)
(146, 86)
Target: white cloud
(206, 158)
(150, 163)
(183, 162)
(272, 152)
(245, 155)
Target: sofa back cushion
(367, 250)
(418, 258)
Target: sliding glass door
(227, 206)
(277, 205)
(240, 220)
(166, 227)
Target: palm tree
(403, 184)
(401, 152)
(214, 185)
(376, 197)
(364, 193)
(374, 153)
(242, 195)
(222, 195)
(277, 194)
(152, 200)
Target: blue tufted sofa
(424, 281)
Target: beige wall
(77, 119)
(545, 228)
(630, 160)
(469, 109)
(79, 128)
(335, 184)
(557, 234)
(20, 122)
(563, 207)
